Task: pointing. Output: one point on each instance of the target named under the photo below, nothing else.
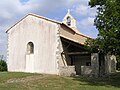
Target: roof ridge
(48, 19)
(39, 16)
(35, 15)
(83, 35)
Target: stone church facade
(37, 44)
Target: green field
(27, 81)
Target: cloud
(85, 10)
(9, 7)
(81, 9)
(86, 27)
(87, 21)
(86, 18)
(90, 31)
(13, 10)
(3, 42)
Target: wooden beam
(72, 43)
(76, 53)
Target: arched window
(30, 48)
(68, 21)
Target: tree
(107, 22)
(3, 64)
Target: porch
(74, 57)
(76, 60)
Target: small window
(68, 21)
(30, 48)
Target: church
(37, 44)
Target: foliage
(107, 22)
(93, 45)
(118, 62)
(93, 3)
(3, 64)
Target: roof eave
(38, 16)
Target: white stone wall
(44, 35)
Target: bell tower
(70, 21)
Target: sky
(13, 10)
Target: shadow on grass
(112, 80)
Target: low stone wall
(67, 70)
(110, 64)
(86, 70)
(92, 70)
(95, 64)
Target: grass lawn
(27, 81)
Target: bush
(3, 65)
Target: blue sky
(12, 10)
